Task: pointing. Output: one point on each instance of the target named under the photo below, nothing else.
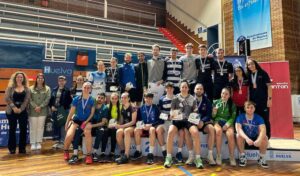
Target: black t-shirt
(204, 77)
(112, 78)
(127, 114)
(259, 95)
(227, 69)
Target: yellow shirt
(114, 112)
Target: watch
(269, 98)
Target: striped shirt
(173, 71)
(165, 104)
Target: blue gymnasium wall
(18, 55)
(72, 56)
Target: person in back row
(98, 79)
(251, 128)
(141, 76)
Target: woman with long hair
(40, 95)
(17, 96)
(240, 87)
(76, 90)
(224, 113)
(260, 91)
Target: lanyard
(221, 67)
(203, 64)
(84, 104)
(254, 76)
(199, 103)
(224, 103)
(148, 112)
(240, 82)
(113, 74)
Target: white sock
(191, 153)
(179, 149)
(210, 152)
(163, 148)
(169, 155)
(138, 148)
(262, 155)
(198, 156)
(151, 149)
(75, 152)
(95, 151)
(242, 154)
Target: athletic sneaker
(232, 162)
(150, 158)
(243, 161)
(95, 157)
(88, 159)
(190, 160)
(33, 147)
(122, 160)
(137, 155)
(210, 160)
(168, 162)
(38, 146)
(66, 155)
(74, 159)
(179, 158)
(102, 158)
(219, 160)
(263, 163)
(198, 163)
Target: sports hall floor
(50, 162)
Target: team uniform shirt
(127, 114)
(189, 68)
(240, 92)
(250, 127)
(165, 104)
(205, 66)
(149, 115)
(98, 80)
(83, 107)
(173, 71)
(221, 75)
(112, 78)
(100, 113)
(127, 75)
(259, 95)
(204, 109)
(223, 116)
(185, 105)
(155, 69)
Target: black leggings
(13, 120)
(264, 113)
(113, 141)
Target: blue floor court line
(185, 171)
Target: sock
(191, 153)
(198, 156)
(151, 149)
(169, 155)
(179, 150)
(138, 148)
(242, 154)
(95, 150)
(163, 148)
(75, 152)
(262, 155)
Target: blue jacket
(127, 74)
(205, 109)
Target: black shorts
(252, 146)
(78, 122)
(181, 124)
(199, 129)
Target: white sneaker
(33, 147)
(210, 159)
(190, 160)
(60, 145)
(219, 160)
(232, 162)
(38, 146)
(55, 146)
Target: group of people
(201, 94)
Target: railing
(96, 8)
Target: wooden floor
(50, 162)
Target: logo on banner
(61, 70)
(280, 85)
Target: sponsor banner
(252, 20)
(281, 111)
(53, 69)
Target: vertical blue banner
(53, 69)
(252, 19)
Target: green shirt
(223, 112)
(39, 98)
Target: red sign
(281, 111)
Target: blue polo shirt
(100, 113)
(82, 113)
(250, 127)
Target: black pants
(113, 140)
(13, 120)
(208, 88)
(264, 113)
(99, 133)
